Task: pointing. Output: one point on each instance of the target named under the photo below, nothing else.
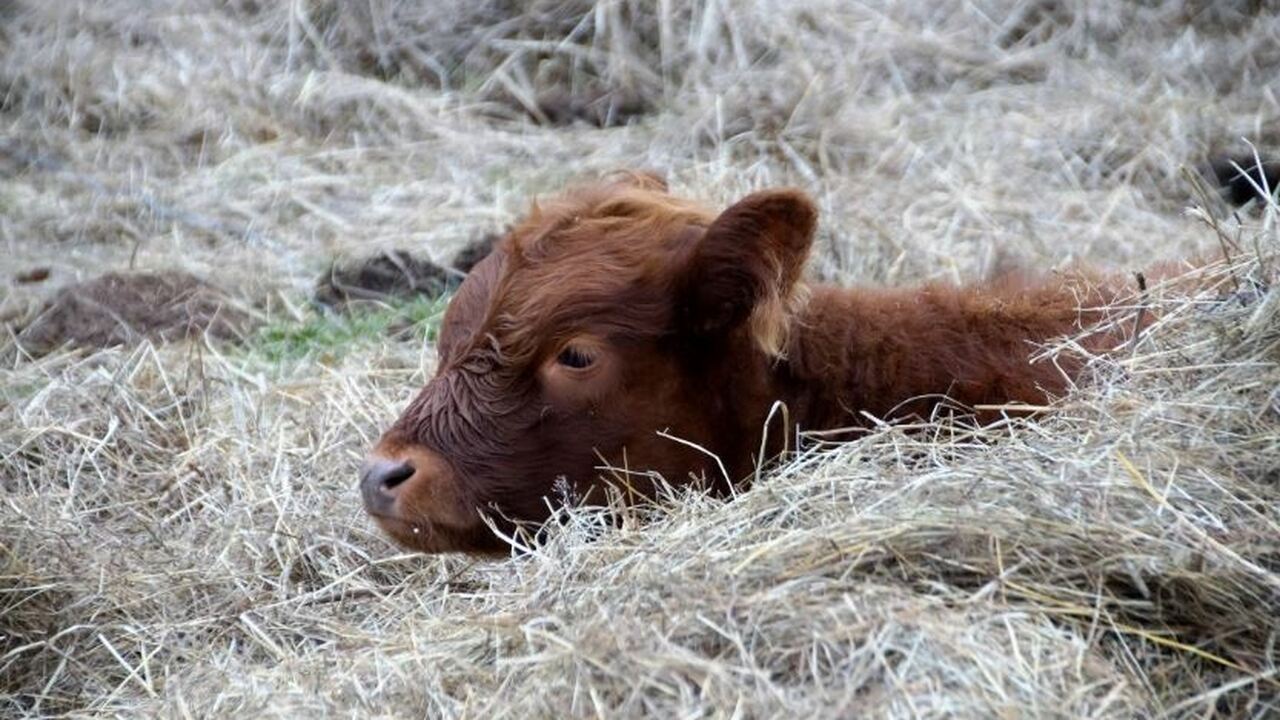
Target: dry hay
(179, 530)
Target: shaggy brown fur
(617, 316)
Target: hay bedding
(179, 533)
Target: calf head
(607, 322)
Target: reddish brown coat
(617, 317)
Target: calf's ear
(747, 267)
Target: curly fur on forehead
(606, 255)
(613, 254)
(624, 220)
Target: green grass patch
(330, 336)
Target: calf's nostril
(397, 475)
(386, 474)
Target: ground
(179, 528)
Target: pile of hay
(179, 529)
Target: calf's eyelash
(575, 358)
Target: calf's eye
(572, 357)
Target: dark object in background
(386, 276)
(472, 254)
(34, 275)
(1245, 183)
(123, 308)
(609, 108)
(558, 107)
(397, 274)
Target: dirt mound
(472, 254)
(396, 274)
(382, 277)
(123, 308)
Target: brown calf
(618, 317)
